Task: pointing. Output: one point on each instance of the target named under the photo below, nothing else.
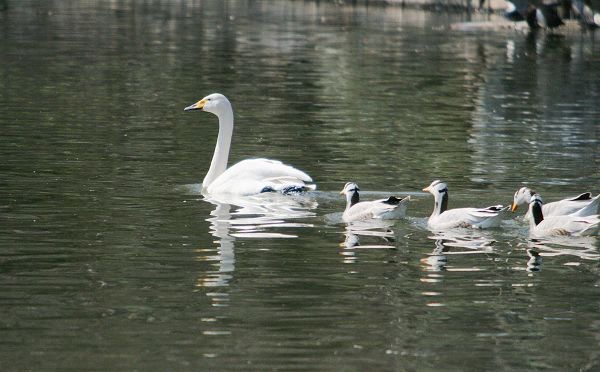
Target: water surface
(111, 259)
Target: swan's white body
(539, 225)
(442, 218)
(580, 205)
(385, 209)
(248, 177)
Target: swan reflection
(248, 217)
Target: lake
(111, 259)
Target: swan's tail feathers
(310, 187)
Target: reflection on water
(582, 247)
(447, 244)
(97, 244)
(224, 255)
(248, 217)
(534, 263)
(436, 260)
(369, 234)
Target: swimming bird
(543, 16)
(515, 10)
(250, 176)
(586, 15)
(539, 225)
(443, 218)
(385, 209)
(581, 205)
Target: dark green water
(111, 260)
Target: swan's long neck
(441, 203)
(218, 165)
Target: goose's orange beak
(514, 207)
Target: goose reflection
(448, 243)
(437, 259)
(534, 263)
(581, 247)
(371, 234)
(248, 217)
(476, 241)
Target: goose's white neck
(218, 165)
(535, 209)
(351, 199)
(441, 203)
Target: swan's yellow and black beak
(196, 106)
(514, 207)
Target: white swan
(443, 218)
(385, 209)
(559, 225)
(248, 177)
(580, 205)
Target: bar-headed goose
(580, 205)
(250, 176)
(443, 218)
(559, 225)
(385, 209)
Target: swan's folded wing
(251, 176)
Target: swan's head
(522, 196)
(215, 103)
(349, 188)
(437, 187)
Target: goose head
(215, 103)
(535, 207)
(437, 187)
(351, 191)
(522, 196)
(439, 190)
